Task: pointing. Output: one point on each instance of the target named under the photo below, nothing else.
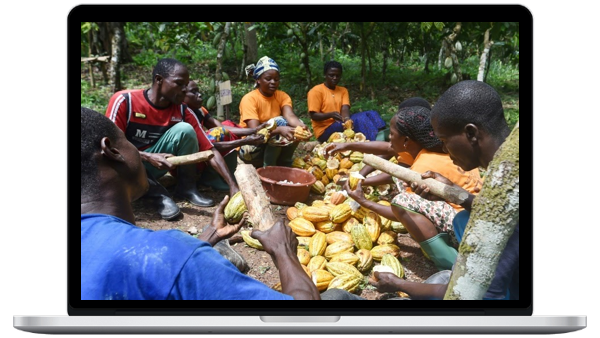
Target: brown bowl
(286, 193)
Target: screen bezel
(514, 13)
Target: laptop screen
(354, 89)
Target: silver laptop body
(202, 317)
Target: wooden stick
(201, 156)
(451, 194)
(256, 199)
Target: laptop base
(304, 325)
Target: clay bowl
(286, 193)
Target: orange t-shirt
(405, 158)
(442, 164)
(256, 106)
(324, 100)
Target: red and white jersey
(144, 123)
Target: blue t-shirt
(122, 261)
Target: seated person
(469, 120)
(428, 222)
(328, 103)
(157, 122)
(262, 104)
(225, 137)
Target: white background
(33, 176)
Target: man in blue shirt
(122, 261)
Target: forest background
(383, 62)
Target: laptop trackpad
(299, 319)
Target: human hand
(337, 117)
(159, 160)
(423, 189)
(357, 194)
(285, 131)
(254, 140)
(278, 240)
(385, 281)
(334, 148)
(219, 229)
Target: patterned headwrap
(265, 63)
(414, 123)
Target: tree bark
(251, 43)
(487, 44)
(448, 193)
(218, 74)
(114, 67)
(259, 208)
(494, 216)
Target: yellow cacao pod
(349, 283)
(325, 227)
(345, 163)
(321, 278)
(341, 268)
(316, 172)
(337, 248)
(330, 173)
(235, 209)
(321, 163)
(298, 163)
(354, 178)
(356, 157)
(317, 263)
(345, 257)
(318, 187)
(302, 227)
(277, 287)
(360, 213)
(305, 268)
(338, 236)
(398, 227)
(361, 237)
(301, 134)
(371, 222)
(336, 136)
(299, 205)
(303, 256)
(266, 133)
(252, 242)
(317, 203)
(291, 213)
(347, 226)
(394, 263)
(340, 213)
(379, 250)
(317, 244)
(315, 214)
(349, 133)
(349, 124)
(360, 137)
(303, 242)
(337, 198)
(387, 237)
(325, 180)
(365, 260)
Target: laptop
(292, 317)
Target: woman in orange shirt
(428, 222)
(266, 102)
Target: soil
(193, 219)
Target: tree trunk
(440, 56)
(251, 43)
(244, 56)
(487, 44)
(494, 216)
(114, 67)
(259, 208)
(219, 71)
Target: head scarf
(265, 63)
(414, 123)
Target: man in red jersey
(157, 122)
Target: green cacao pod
(394, 263)
(235, 209)
(361, 237)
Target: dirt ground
(193, 219)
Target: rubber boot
(186, 187)
(159, 197)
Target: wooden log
(255, 197)
(95, 58)
(198, 157)
(451, 194)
